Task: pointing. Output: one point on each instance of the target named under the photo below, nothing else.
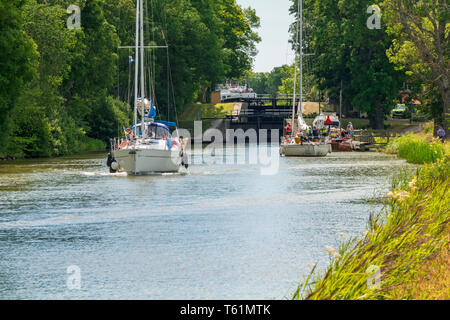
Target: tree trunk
(203, 94)
(377, 118)
(445, 101)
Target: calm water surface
(217, 232)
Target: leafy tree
(258, 81)
(276, 77)
(122, 15)
(18, 60)
(95, 70)
(46, 25)
(240, 38)
(347, 50)
(421, 47)
(29, 132)
(108, 117)
(287, 82)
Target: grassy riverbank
(404, 254)
(418, 148)
(85, 145)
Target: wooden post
(340, 102)
(320, 98)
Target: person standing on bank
(441, 134)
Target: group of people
(315, 134)
(305, 136)
(129, 134)
(344, 134)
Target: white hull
(305, 150)
(147, 161)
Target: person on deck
(350, 129)
(315, 133)
(309, 133)
(129, 134)
(288, 129)
(303, 137)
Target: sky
(274, 48)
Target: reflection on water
(216, 232)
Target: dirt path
(412, 129)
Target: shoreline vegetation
(419, 148)
(405, 252)
(66, 88)
(84, 146)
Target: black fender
(109, 161)
(184, 159)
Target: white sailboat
(293, 146)
(149, 147)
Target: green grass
(417, 149)
(399, 241)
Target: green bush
(428, 128)
(92, 145)
(417, 149)
(30, 132)
(107, 118)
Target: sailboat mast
(295, 84)
(136, 67)
(299, 28)
(142, 67)
(301, 58)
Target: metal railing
(115, 143)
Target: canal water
(216, 232)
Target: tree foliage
(348, 52)
(18, 61)
(65, 90)
(421, 46)
(274, 82)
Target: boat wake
(102, 174)
(124, 174)
(219, 172)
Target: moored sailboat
(294, 145)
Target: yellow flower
(332, 251)
(403, 195)
(412, 184)
(399, 195)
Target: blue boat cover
(167, 123)
(155, 124)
